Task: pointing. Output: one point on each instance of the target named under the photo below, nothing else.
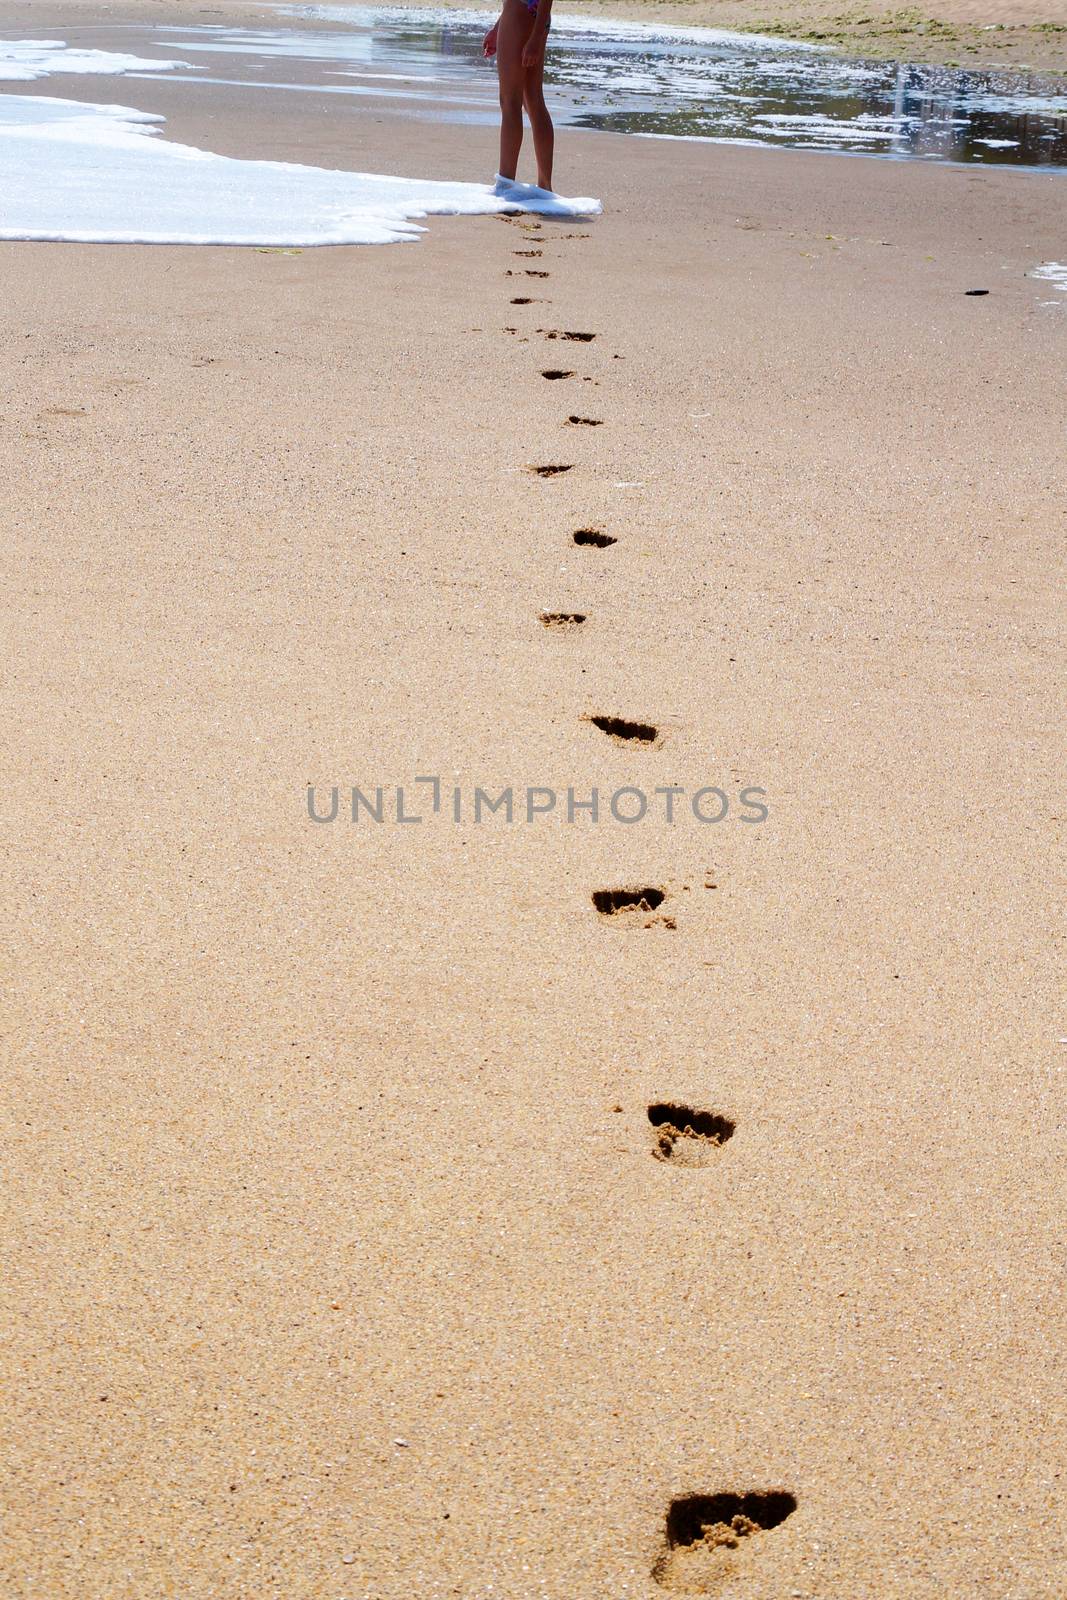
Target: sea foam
(71, 170)
(24, 60)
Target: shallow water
(668, 83)
(672, 83)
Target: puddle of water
(1054, 272)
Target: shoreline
(1032, 44)
(952, 38)
(967, 34)
(960, 35)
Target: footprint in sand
(562, 619)
(594, 537)
(554, 373)
(529, 253)
(706, 1534)
(567, 333)
(637, 907)
(551, 471)
(686, 1137)
(585, 422)
(625, 731)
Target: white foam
(24, 60)
(1021, 105)
(865, 127)
(396, 77)
(99, 174)
(1053, 272)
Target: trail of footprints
(702, 1533)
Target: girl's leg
(544, 137)
(516, 22)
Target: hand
(489, 43)
(533, 53)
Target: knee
(511, 102)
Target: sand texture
(342, 1257)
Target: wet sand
(338, 1259)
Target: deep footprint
(685, 1137)
(586, 422)
(704, 1531)
(562, 619)
(619, 728)
(551, 471)
(554, 373)
(634, 906)
(594, 537)
(561, 333)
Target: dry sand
(337, 1260)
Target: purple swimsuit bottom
(531, 6)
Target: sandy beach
(1013, 35)
(338, 1260)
